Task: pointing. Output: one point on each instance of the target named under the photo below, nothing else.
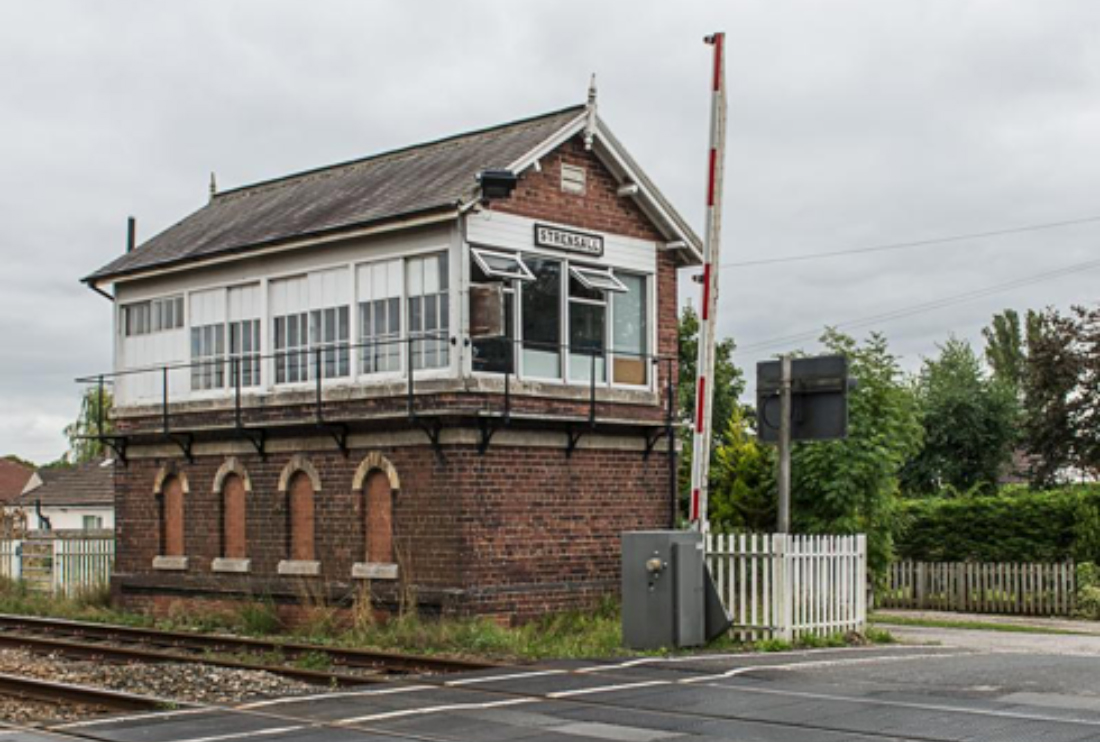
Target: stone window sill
(299, 568)
(373, 571)
(170, 563)
(238, 566)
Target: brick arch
(371, 462)
(299, 463)
(232, 465)
(165, 473)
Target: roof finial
(590, 123)
(213, 185)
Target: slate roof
(13, 478)
(414, 180)
(91, 484)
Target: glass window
(380, 335)
(291, 348)
(587, 333)
(330, 332)
(596, 279)
(208, 357)
(629, 332)
(542, 309)
(501, 265)
(429, 318)
(244, 349)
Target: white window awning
(597, 279)
(502, 265)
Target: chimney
(131, 233)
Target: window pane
(587, 328)
(497, 355)
(542, 319)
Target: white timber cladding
(497, 230)
(259, 290)
(392, 286)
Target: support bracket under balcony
(258, 439)
(117, 443)
(339, 433)
(488, 428)
(651, 440)
(434, 430)
(186, 444)
(575, 435)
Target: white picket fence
(59, 563)
(1036, 589)
(785, 586)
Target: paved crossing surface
(927, 694)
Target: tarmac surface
(910, 693)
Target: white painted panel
(329, 288)
(288, 295)
(244, 302)
(431, 275)
(518, 233)
(415, 276)
(207, 307)
(395, 278)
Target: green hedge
(1015, 525)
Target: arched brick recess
(378, 498)
(172, 516)
(302, 517)
(234, 522)
(375, 460)
(166, 471)
(299, 463)
(231, 466)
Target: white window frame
(597, 279)
(522, 272)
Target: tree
(728, 383)
(743, 495)
(1006, 347)
(93, 409)
(1084, 405)
(1049, 382)
(969, 424)
(852, 485)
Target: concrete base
(299, 568)
(235, 566)
(170, 563)
(373, 571)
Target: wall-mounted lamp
(497, 183)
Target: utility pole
(704, 391)
(783, 517)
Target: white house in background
(76, 498)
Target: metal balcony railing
(299, 369)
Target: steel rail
(53, 692)
(384, 662)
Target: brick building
(443, 370)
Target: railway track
(108, 642)
(29, 689)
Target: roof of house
(418, 180)
(13, 478)
(91, 484)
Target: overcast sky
(851, 124)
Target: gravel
(192, 683)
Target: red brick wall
(234, 518)
(518, 531)
(601, 208)
(173, 520)
(301, 496)
(379, 525)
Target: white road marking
(607, 688)
(731, 656)
(341, 694)
(811, 663)
(436, 709)
(136, 717)
(906, 704)
(513, 676)
(240, 735)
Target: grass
(570, 635)
(938, 623)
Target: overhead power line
(908, 245)
(928, 306)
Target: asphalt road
(905, 693)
